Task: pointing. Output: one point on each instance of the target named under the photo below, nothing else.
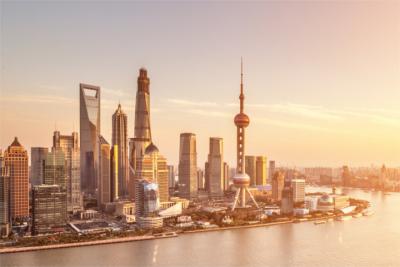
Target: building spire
(241, 97)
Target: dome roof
(151, 149)
(15, 142)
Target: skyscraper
(142, 117)
(298, 187)
(227, 176)
(147, 203)
(104, 191)
(216, 167)
(171, 177)
(120, 139)
(69, 144)
(114, 168)
(187, 166)
(251, 169)
(4, 198)
(89, 132)
(49, 209)
(241, 180)
(271, 169)
(16, 160)
(54, 169)
(152, 167)
(38, 156)
(287, 198)
(145, 160)
(261, 170)
(278, 181)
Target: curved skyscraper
(145, 160)
(89, 110)
(241, 180)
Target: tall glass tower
(89, 130)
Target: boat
(368, 212)
(319, 222)
(357, 215)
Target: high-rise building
(171, 176)
(200, 179)
(346, 176)
(4, 198)
(250, 163)
(152, 167)
(147, 204)
(89, 141)
(278, 181)
(69, 144)
(261, 170)
(114, 168)
(187, 166)
(145, 160)
(271, 169)
(120, 139)
(227, 176)
(241, 180)
(49, 209)
(216, 167)
(104, 190)
(256, 169)
(298, 187)
(38, 156)
(54, 169)
(16, 160)
(287, 199)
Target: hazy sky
(322, 79)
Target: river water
(366, 241)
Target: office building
(4, 198)
(38, 156)
(104, 191)
(89, 109)
(241, 180)
(227, 176)
(49, 209)
(114, 168)
(200, 179)
(69, 144)
(152, 167)
(188, 166)
(16, 160)
(54, 168)
(216, 167)
(250, 163)
(271, 169)
(120, 139)
(287, 199)
(261, 170)
(298, 187)
(347, 176)
(147, 204)
(171, 177)
(278, 181)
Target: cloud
(209, 113)
(45, 99)
(184, 102)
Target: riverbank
(146, 237)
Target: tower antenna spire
(241, 97)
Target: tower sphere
(241, 179)
(242, 120)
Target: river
(366, 241)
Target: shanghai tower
(142, 134)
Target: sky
(321, 79)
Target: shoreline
(142, 238)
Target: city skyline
(310, 104)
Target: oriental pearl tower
(241, 180)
